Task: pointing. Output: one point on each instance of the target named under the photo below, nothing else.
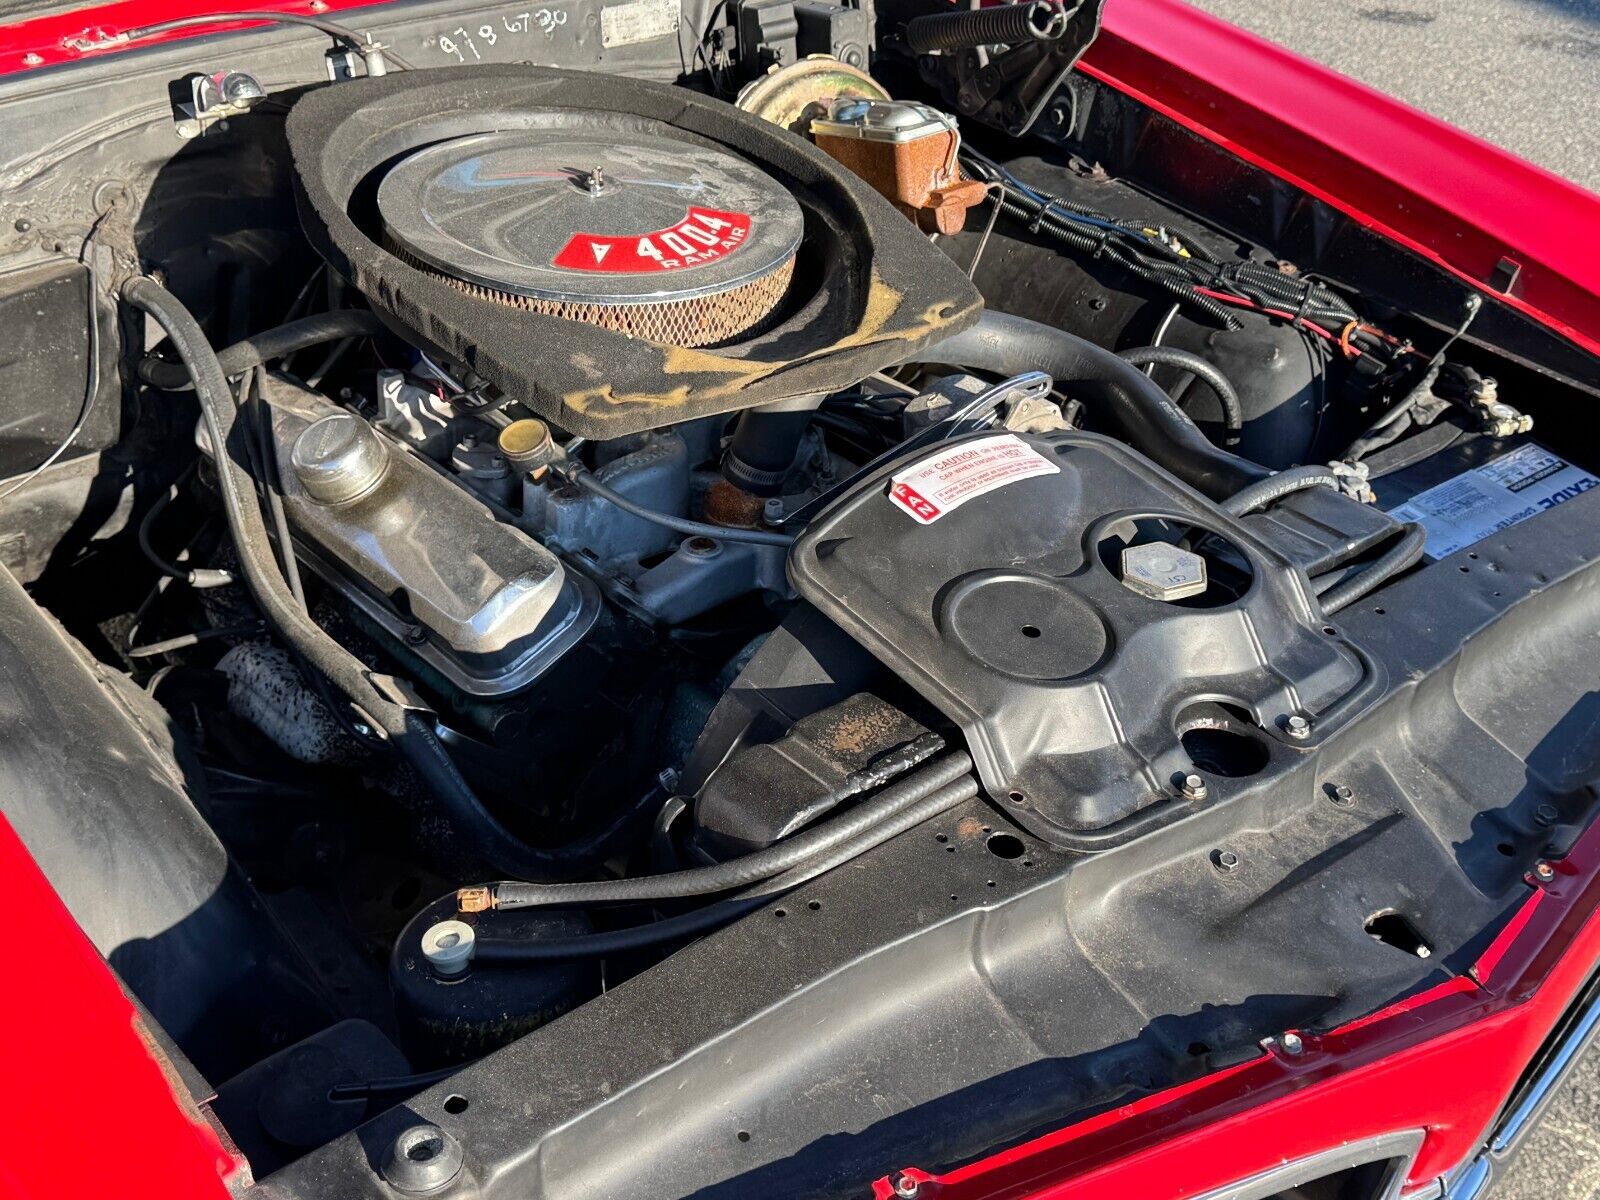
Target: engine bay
(679, 614)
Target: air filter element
(616, 255)
(680, 244)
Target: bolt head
(1544, 872)
(1343, 794)
(31, 59)
(1292, 1044)
(1194, 787)
(1225, 860)
(906, 1186)
(1163, 572)
(1546, 815)
(1297, 727)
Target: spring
(1002, 25)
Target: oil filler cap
(339, 459)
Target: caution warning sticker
(940, 485)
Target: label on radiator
(703, 235)
(639, 21)
(940, 485)
(1497, 495)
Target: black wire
(198, 577)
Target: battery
(1478, 487)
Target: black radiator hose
(407, 729)
(1113, 391)
(1203, 370)
(267, 345)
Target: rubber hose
(762, 864)
(1203, 370)
(1405, 553)
(197, 577)
(683, 525)
(1114, 390)
(408, 730)
(670, 929)
(1275, 487)
(267, 345)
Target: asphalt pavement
(1524, 74)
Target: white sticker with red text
(940, 485)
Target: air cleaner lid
(565, 216)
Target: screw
(773, 509)
(416, 634)
(1343, 795)
(32, 60)
(22, 224)
(906, 1186)
(1194, 787)
(1544, 872)
(1224, 860)
(1546, 815)
(1297, 727)
(1292, 1045)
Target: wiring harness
(1186, 270)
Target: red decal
(915, 502)
(704, 235)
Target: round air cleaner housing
(681, 244)
(615, 254)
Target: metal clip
(216, 97)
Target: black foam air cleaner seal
(867, 288)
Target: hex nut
(1163, 572)
(423, 1158)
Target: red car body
(91, 1109)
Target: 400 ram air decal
(704, 234)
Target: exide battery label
(1497, 495)
(938, 486)
(703, 235)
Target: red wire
(1275, 312)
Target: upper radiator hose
(1113, 391)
